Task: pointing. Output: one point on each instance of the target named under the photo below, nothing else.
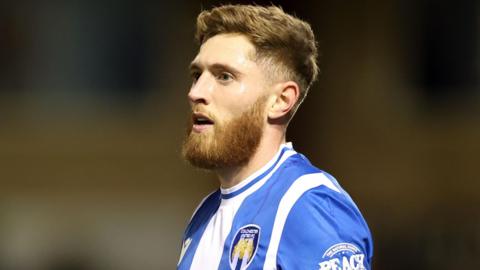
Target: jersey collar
(272, 165)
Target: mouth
(201, 122)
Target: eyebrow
(217, 66)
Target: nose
(200, 91)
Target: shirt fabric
(287, 215)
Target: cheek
(235, 99)
(230, 107)
(224, 116)
(234, 110)
(243, 88)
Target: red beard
(229, 144)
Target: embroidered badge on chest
(244, 246)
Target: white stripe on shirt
(298, 188)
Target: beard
(228, 144)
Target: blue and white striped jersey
(287, 215)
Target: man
(274, 210)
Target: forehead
(231, 49)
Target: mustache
(200, 110)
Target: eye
(195, 75)
(225, 77)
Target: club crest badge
(343, 256)
(244, 246)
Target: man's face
(228, 97)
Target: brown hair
(282, 40)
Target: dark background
(93, 110)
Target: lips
(201, 119)
(201, 122)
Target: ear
(286, 96)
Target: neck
(266, 150)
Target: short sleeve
(325, 230)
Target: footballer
(273, 208)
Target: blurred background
(93, 110)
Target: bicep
(321, 232)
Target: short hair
(282, 40)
